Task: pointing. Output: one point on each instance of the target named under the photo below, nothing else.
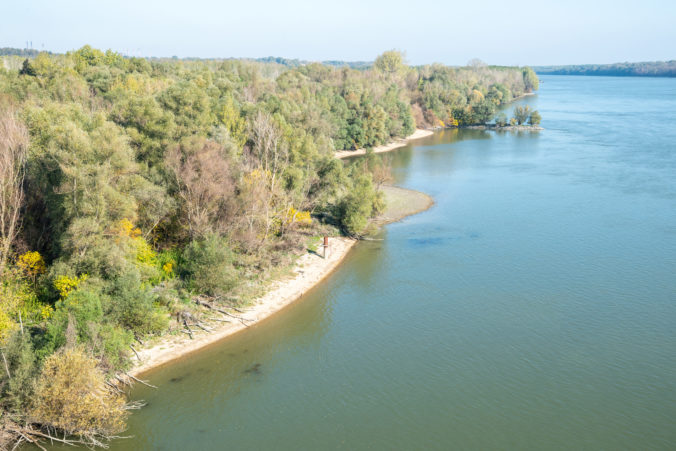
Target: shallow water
(533, 307)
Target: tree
(235, 124)
(358, 205)
(476, 63)
(521, 114)
(27, 69)
(534, 118)
(13, 151)
(530, 79)
(269, 157)
(207, 266)
(390, 62)
(204, 182)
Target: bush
(22, 366)
(361, 203)
(132, 306)
(534, 118)
(71, 396)
(78, 310)
(207, 266)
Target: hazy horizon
(528, 33)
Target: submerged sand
(402, 202)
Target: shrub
(359, 205)
(71, 396)
(534, 118)
(79, 309)
(207, 266)
(22, 366)
(132, 305)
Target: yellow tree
(234, 122)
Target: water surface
(533, 307)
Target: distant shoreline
(419, 133)
(506, 128)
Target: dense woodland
(129, 188)
(646, 69)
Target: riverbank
(310, 269)
(419, 133)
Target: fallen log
(198, 301)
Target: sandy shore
(419, 133)
(309, 270)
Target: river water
(533, 307)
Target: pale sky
(517, 32)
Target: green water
(533, 307)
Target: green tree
(207, 265)
(360, 204)
(27, 69)
(521, 114)
(390, 62)
(534, 118)
(530, 79)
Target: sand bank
(419, 133)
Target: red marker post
(326, 246)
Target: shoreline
(309, 270)
(525, 94)
(417, 134)
(505, 128)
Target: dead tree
(13, 150)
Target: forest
(129, 186)
(645, 69)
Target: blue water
(533, 307)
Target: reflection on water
(533, 307)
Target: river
(533, 307)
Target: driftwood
(34, 437)
(184, 317)
(241, 319)
(114, 387)
(201, 327)
(137, 356)
(140, 381)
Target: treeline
(11, 51)
(645, 69)
(128, 187)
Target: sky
(525, 32)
